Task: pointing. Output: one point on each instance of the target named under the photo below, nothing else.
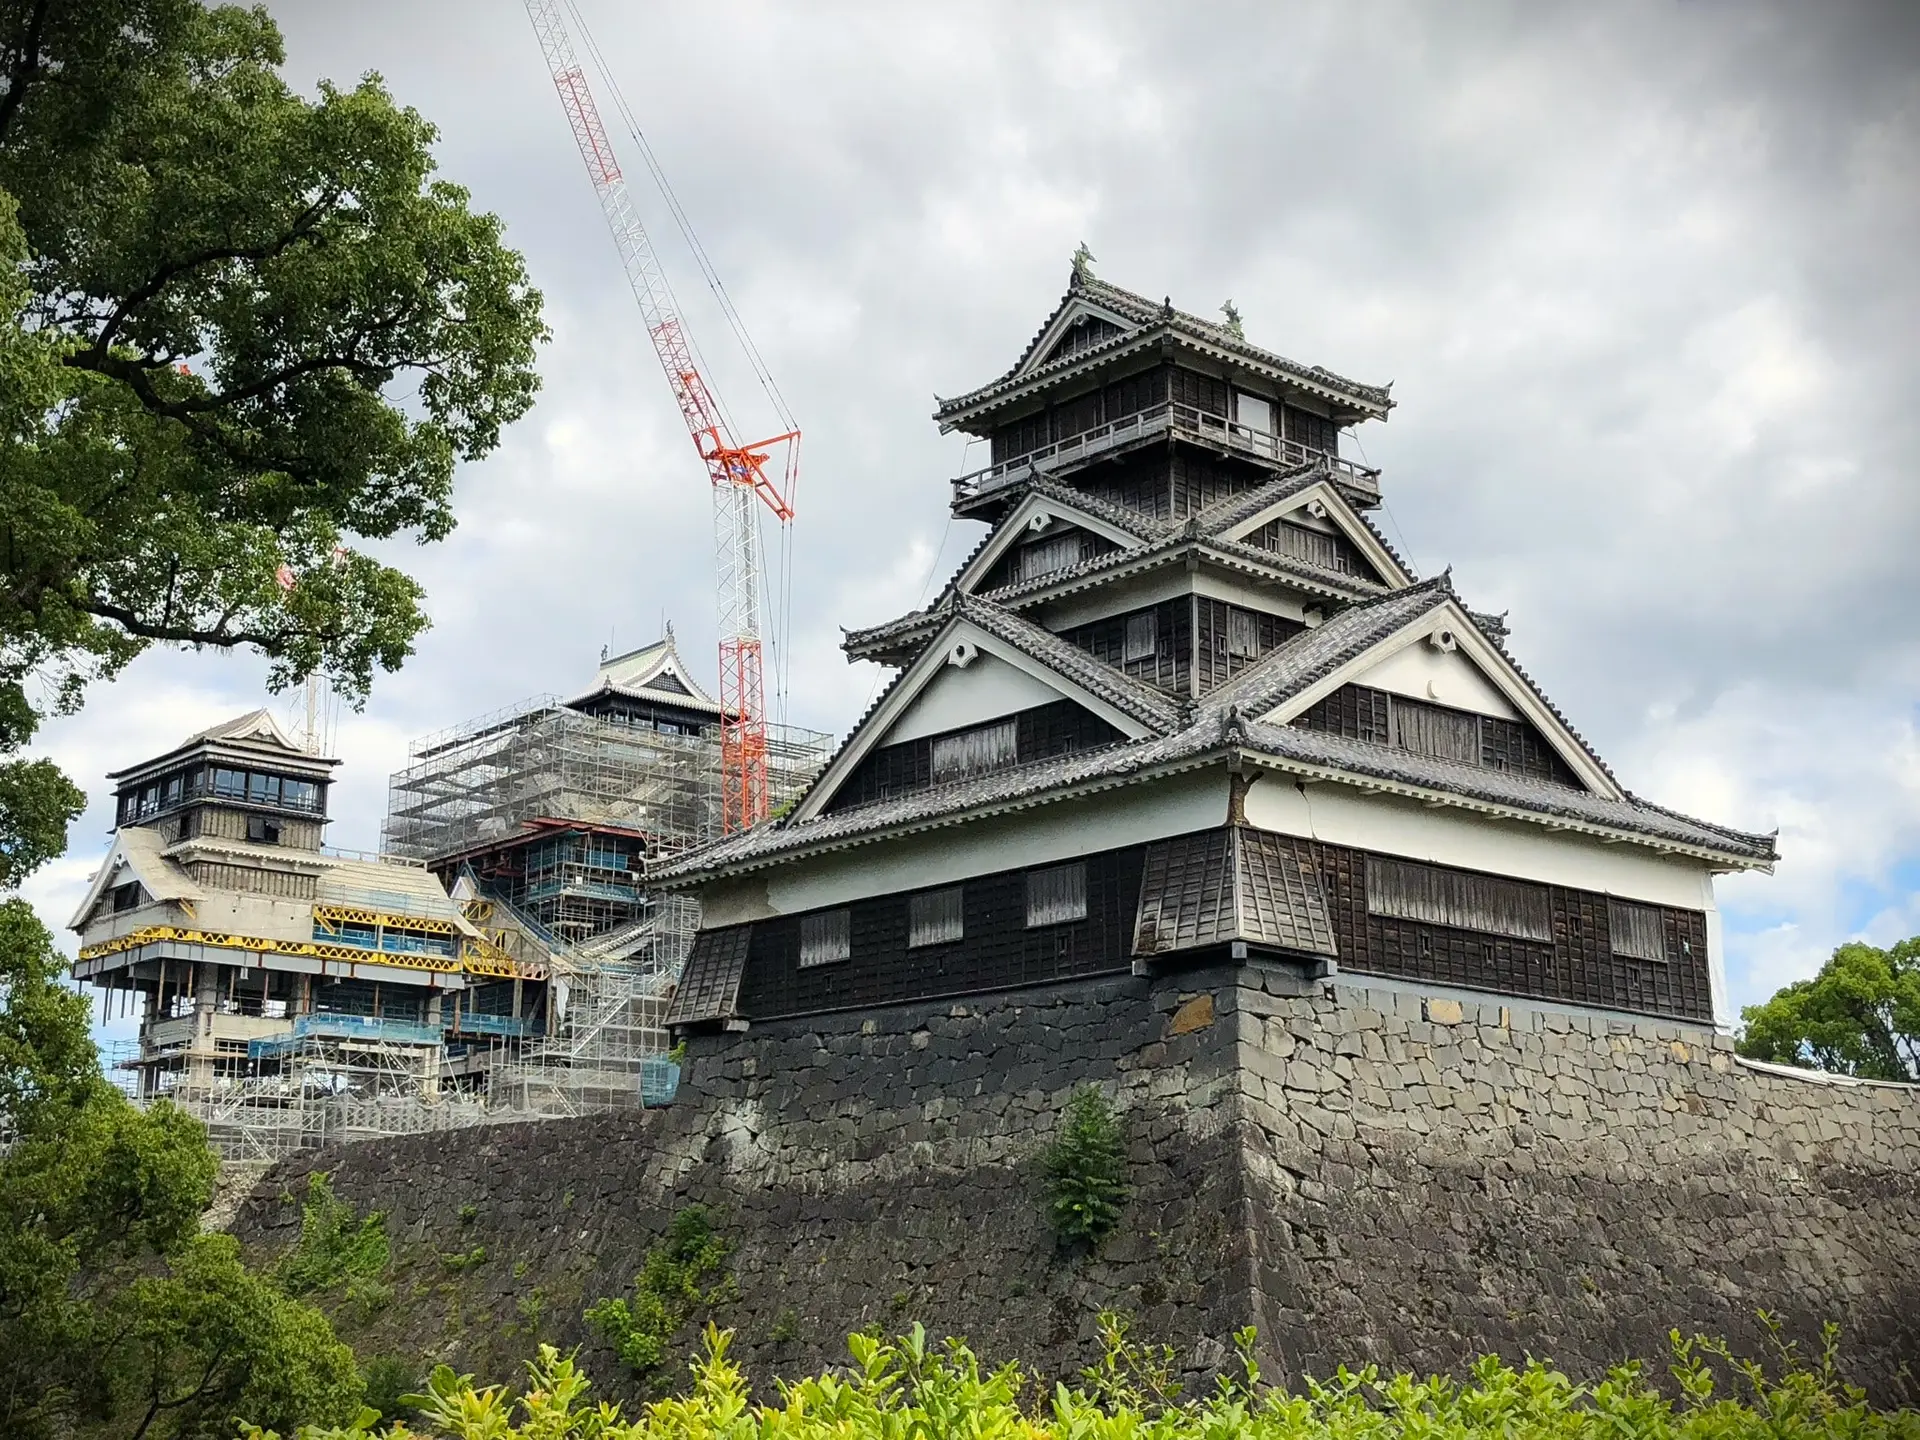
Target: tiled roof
(1290, 668)
(1500, 787)
(1212, 736)
(1225, 514)
(1119, 516)
(1153, 708)
(1146, 318)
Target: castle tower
(1184, 704)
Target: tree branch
(303, 225)
(133, 624)
(25, 69)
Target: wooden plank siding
(1043, 731)
(1360, 712)
(1578, 964)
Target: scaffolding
(542, 822)
(484, 782)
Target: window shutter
(1056, 895)
(1141, 638)
(1402, 890)
(975, 752)
(1636, 931)
(823, 938)
(934, 917)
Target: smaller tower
(283, 990)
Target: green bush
(907, 1389)
(336, 1244)
(684, 1272)
(1087, 1169)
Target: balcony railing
(1165, 418)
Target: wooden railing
(1166, 417)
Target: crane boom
(738, 473)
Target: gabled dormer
(651, 689)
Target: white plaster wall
(1391, 825)
(1062, 831)
(985, 690)
(1444, 677)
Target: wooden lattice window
(1637, 931)
(979, 751)
(824, 938)
(934, 918)
(1043, 557)
(1436, 730)
(1403, 890)
(1141, 637)
(1056, 895)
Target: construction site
(503, 956)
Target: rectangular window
(127, 897)
(1056, 895)
(1637, 931)
(262, 831)
(1243, 633)
(1043, 557)
(933, 918)
(231, 783)
(975, 752)
(1141, 637)
(172, 795)
(1436, 730)
(1401, 890)
(1253, 412)
(824, 938)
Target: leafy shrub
(685, 1271)
(909, 1388)
(1087, 1169)
(391, 1383)
(336, 1244)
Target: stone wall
(1363, 1172)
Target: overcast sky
(1643, 277)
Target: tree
(1859, 1016)
(240, 331)
(114, 1311)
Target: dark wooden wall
(1045, 730)
(1360, 712)
(998, 950)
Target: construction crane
(740, 475)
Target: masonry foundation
(1364, 1173)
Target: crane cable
(783, 622)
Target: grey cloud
(1642, 274)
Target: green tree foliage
(242, 331)
(683, 1273)
(1087, 1169)
(117, 1317)
(1859, 1016)
(910, 1388)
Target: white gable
(1451, 636)
(1034, 518)
(961, 646)
(1445, 677)
(1321, 507)
(1046, 348)
(954, 699)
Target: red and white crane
(738, 473)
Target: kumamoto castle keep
(1187, 787)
